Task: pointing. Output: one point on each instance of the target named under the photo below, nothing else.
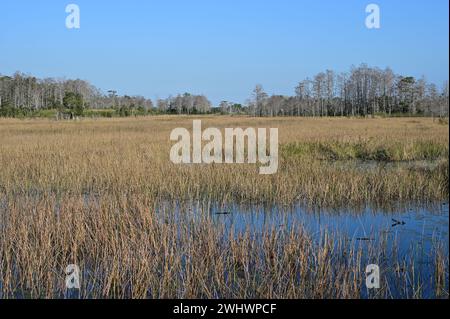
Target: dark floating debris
(364, 239)
(223, 213)
(397, 222)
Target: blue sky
(219, 48)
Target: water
(412, 233)
(410, 226)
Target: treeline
(22, 95)
(362, 91)
(184, 104)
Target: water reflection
(413, 226)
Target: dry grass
(131, 156)
(86, 193)
(126, 251)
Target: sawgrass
(86, 192)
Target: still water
(408, 225)
(411, 232)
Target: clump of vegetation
(443, 121)
(369, 150)
(74, 102)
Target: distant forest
(362, 91)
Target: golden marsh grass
(86, 192)
(131, 156)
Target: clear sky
(219, 48)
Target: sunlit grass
(132, 156)
(85, 192)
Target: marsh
(104, 195)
